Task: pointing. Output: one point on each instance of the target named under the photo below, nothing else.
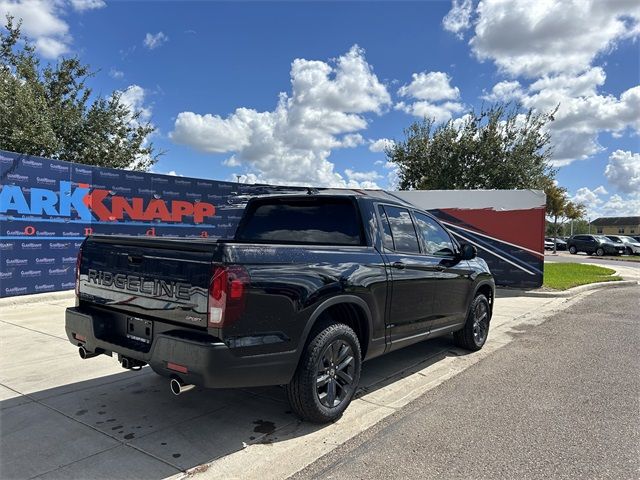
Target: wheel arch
(348, 309)
(488, 290)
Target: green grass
(561, 276)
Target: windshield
(602, 238)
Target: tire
(573, 250)
(330, 345)
(600, 252)
(476, 329)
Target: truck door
(452, 289)
(412, 278)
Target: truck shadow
(136, 411)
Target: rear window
(332, 221)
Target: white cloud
(583, 111)
(115, 73)
(430, 86)
(459, 17)
(82, 5)
(292, 143)
(598, 205)
(380, 145)
(42, 22)
(133, 98)
(505, 91)
(155, 40)
(549, 37)
(623, 171)
(427, 89)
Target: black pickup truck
(309, 287)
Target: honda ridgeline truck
(309, 287)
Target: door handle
(440, 268)
(398, 265)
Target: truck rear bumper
(208, 364)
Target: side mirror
(468, 251)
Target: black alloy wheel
(480, 323)
(573, 250)
(474, 334)
(335, 374)
(600, 252)
(328, 373)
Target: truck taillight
(78, 262)
(226, 294)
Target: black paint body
(391, 299)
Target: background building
(617, 225)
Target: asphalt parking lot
(63, 417)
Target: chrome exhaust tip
(84, 353)
(178, 386)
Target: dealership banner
(48, 207)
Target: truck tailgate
(158, 278)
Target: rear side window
(331, 221)
(387, 239)
(402, 229)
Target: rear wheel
(573, 250)
(476, 329)
(600, 252)
(328, 374)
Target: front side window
(402, 230)
(436, 240)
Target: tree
(560, 207)
(499, 148)
(50, 111)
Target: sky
(311, 92)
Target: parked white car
(632, 246)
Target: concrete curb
(37, 298)
(504, 293)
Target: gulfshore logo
(5, 275)
(67, 285)
(45, 260)
(82, 171)
(59, 245)
(31, 246)
(44, 287)
(15, 290)
(30, 273)
(59, 168)
(45, 181)
(6, 246)
(31, 163)
(68, 259)
(4, 159)
(108, 174)
(135, 178)
(14, 262)
(16, 177)
(57, 271)
(87, 204)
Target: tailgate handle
(134, 259)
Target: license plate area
(139, 329)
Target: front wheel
(476, 329)
(328, 374)
(600, 252)
(573, 250)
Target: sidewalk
(63, 417)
